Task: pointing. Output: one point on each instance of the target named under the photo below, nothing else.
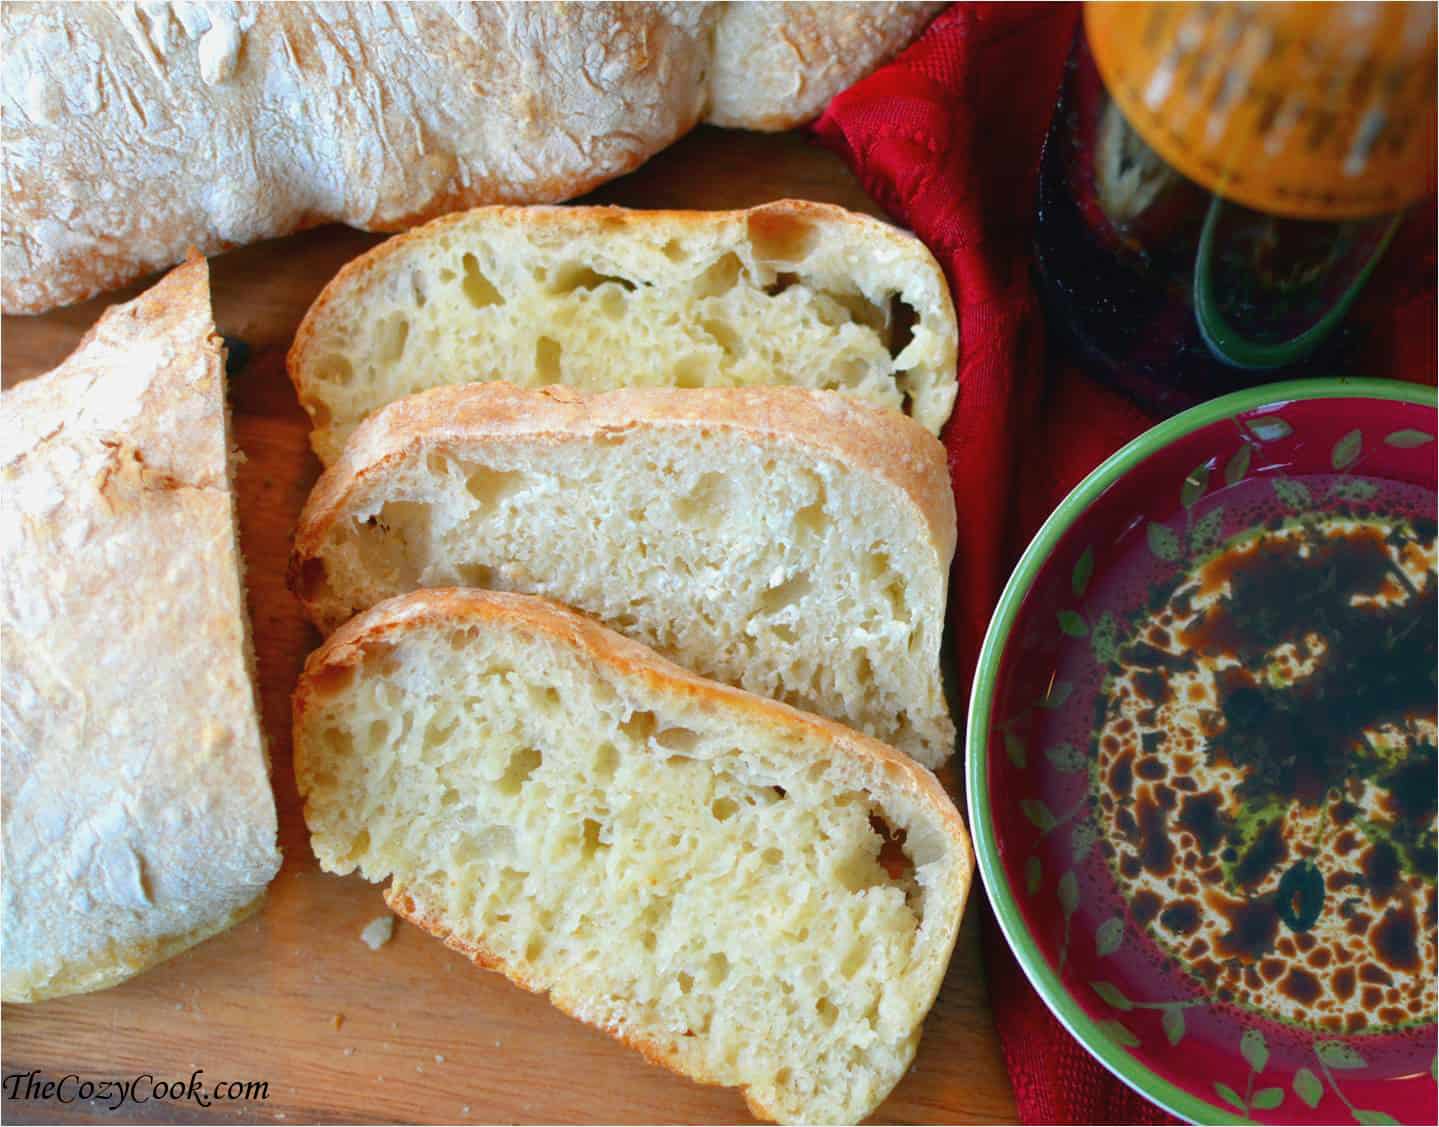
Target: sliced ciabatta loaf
(748, 894)
(794, 543)
(600, 297)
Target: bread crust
(345, 651)
(870, 440)
(137, 812)
(132, 131)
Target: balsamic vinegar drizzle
(1265, 771)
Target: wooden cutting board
(292, 997)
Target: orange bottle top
(1303, 110)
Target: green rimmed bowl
(1235, 919)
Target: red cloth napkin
(947, 139)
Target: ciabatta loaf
(133, 130)
(748, 894)
(137, 813)
(600, 298)
(791, 542)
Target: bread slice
(600, 297)
(137, 812)
(793, 543)
(748, 894)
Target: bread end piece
(137, 808)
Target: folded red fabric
(947, 139)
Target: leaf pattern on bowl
(1181, 547)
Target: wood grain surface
(411, 1032)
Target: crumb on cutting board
(378, 932)
(336, 1021)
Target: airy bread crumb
(597, 298)
(378, 932)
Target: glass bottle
(1220, 180)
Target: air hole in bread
(438, 463)
(782, 281)
(779, 237)
(779, 791)
(811, 520)
(524, 762)
(359, 845)
(577, 276)
(335, 370)
(674, 251)
(476, 575)
(785, 594)
(547, 361)
(706, 501)
(894, 594)
(395, 540)
(902, 319)
(639, 726)
(590, 843)
(611, 302)
(827, 1012)
(723, 809)
(892, 857)
(438, 730)
(607, 757)
(720, 276)
(417, 288)
(476, 286)
(691, 371)
(716, 968)
(876, 564)
(724, 335)
(544, 701)
(686, 982)
(771, 856)
(861, 310)
(490, 487)
(394, 334)
(337, 741)
(681, 740)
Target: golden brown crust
(871, 440)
